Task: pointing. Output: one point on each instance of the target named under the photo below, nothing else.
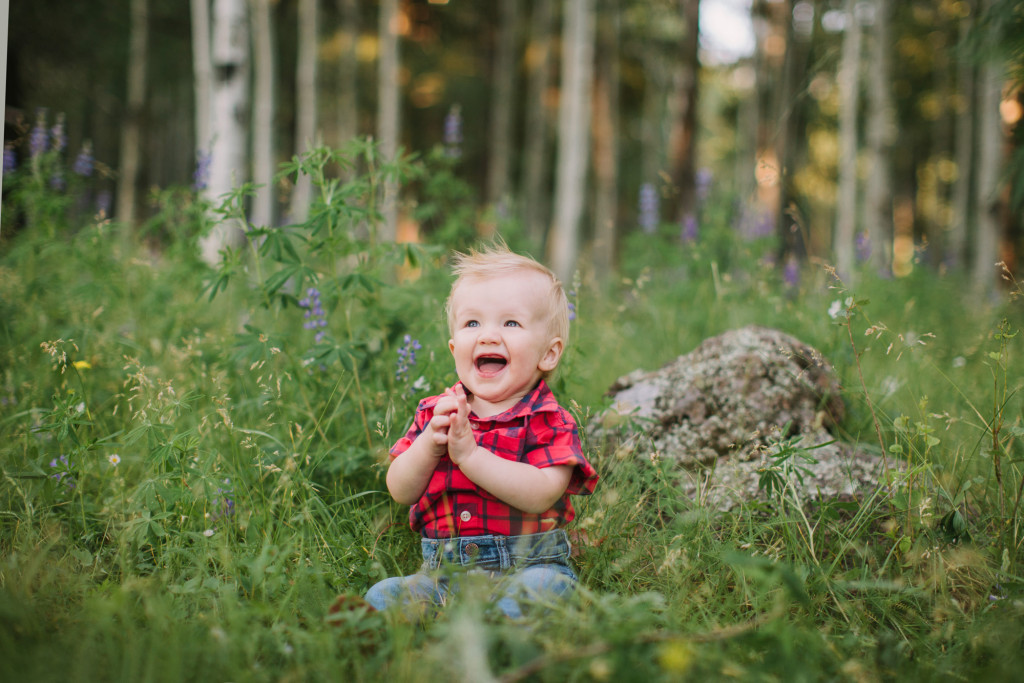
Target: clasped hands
(451, 431)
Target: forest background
(224, 233)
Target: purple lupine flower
(453, 132)
(223, 504)
(84, 161)
(62, 475)
(37, 139)
(201, 176)
(103, 201)
(316, 318)
(10, 160)
(689, 231)
(58, 136)
(406, 357)
(649, 210)
(791, 272)
(863, 246)
(57, 181)
(703, 183)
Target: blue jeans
(533, 567)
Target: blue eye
(472, 323)
(511, 323)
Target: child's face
(502, 339)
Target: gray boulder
(720, 412)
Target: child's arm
(519, 484)
(409, 474)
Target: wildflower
(10, 159)
(453, 132)
(103, 202)
(114, 459)
(703, 183)
(208, 533)
(62, 474)
(224, 506)
(315, 317)
(649, 210)
(82, 365)
(689, 233)
(406, 357)
(572, 311)
(57, 181)
(201, 176)
(38, 137)
(959, 362)
(84, 161)
(791, 273)
(58, 137)
(863, 246)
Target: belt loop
(501, 543)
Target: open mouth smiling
(488, 365)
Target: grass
(188, 479)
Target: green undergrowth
(191, 465)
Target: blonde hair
(496, 260)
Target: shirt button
(465, 516)
(472, 549)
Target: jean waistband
(498, 552)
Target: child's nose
(489, 333)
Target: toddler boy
(489, 465)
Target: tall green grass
(189, 477)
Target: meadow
(192, 458)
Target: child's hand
(461, 442)
(440, 423)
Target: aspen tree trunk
(846, 202)
(606, 139)
(388, 114)
(989, 170)
(573, 135)
(348, 109)
(956, 247)
(538, 58)
(881, 135)
(263, 114)
(229, 115)
(502, 108)
(202, 71)
(305, 110)
(131, 132)
(684, 128)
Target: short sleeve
(554, 440)
(424, 411)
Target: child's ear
(451, 346)
(549, 361)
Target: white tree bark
(956, 249)
(131, 132)
(573, 135)
(348, 65)
(229, 116)
(606, 139)
(536, 143)
(263, 113)
(502, 109)
(202, 70)
(881, 135)
(846, 202)
(305, 110)
(989, 170)
(388, 114)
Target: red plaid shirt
(536, 430)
